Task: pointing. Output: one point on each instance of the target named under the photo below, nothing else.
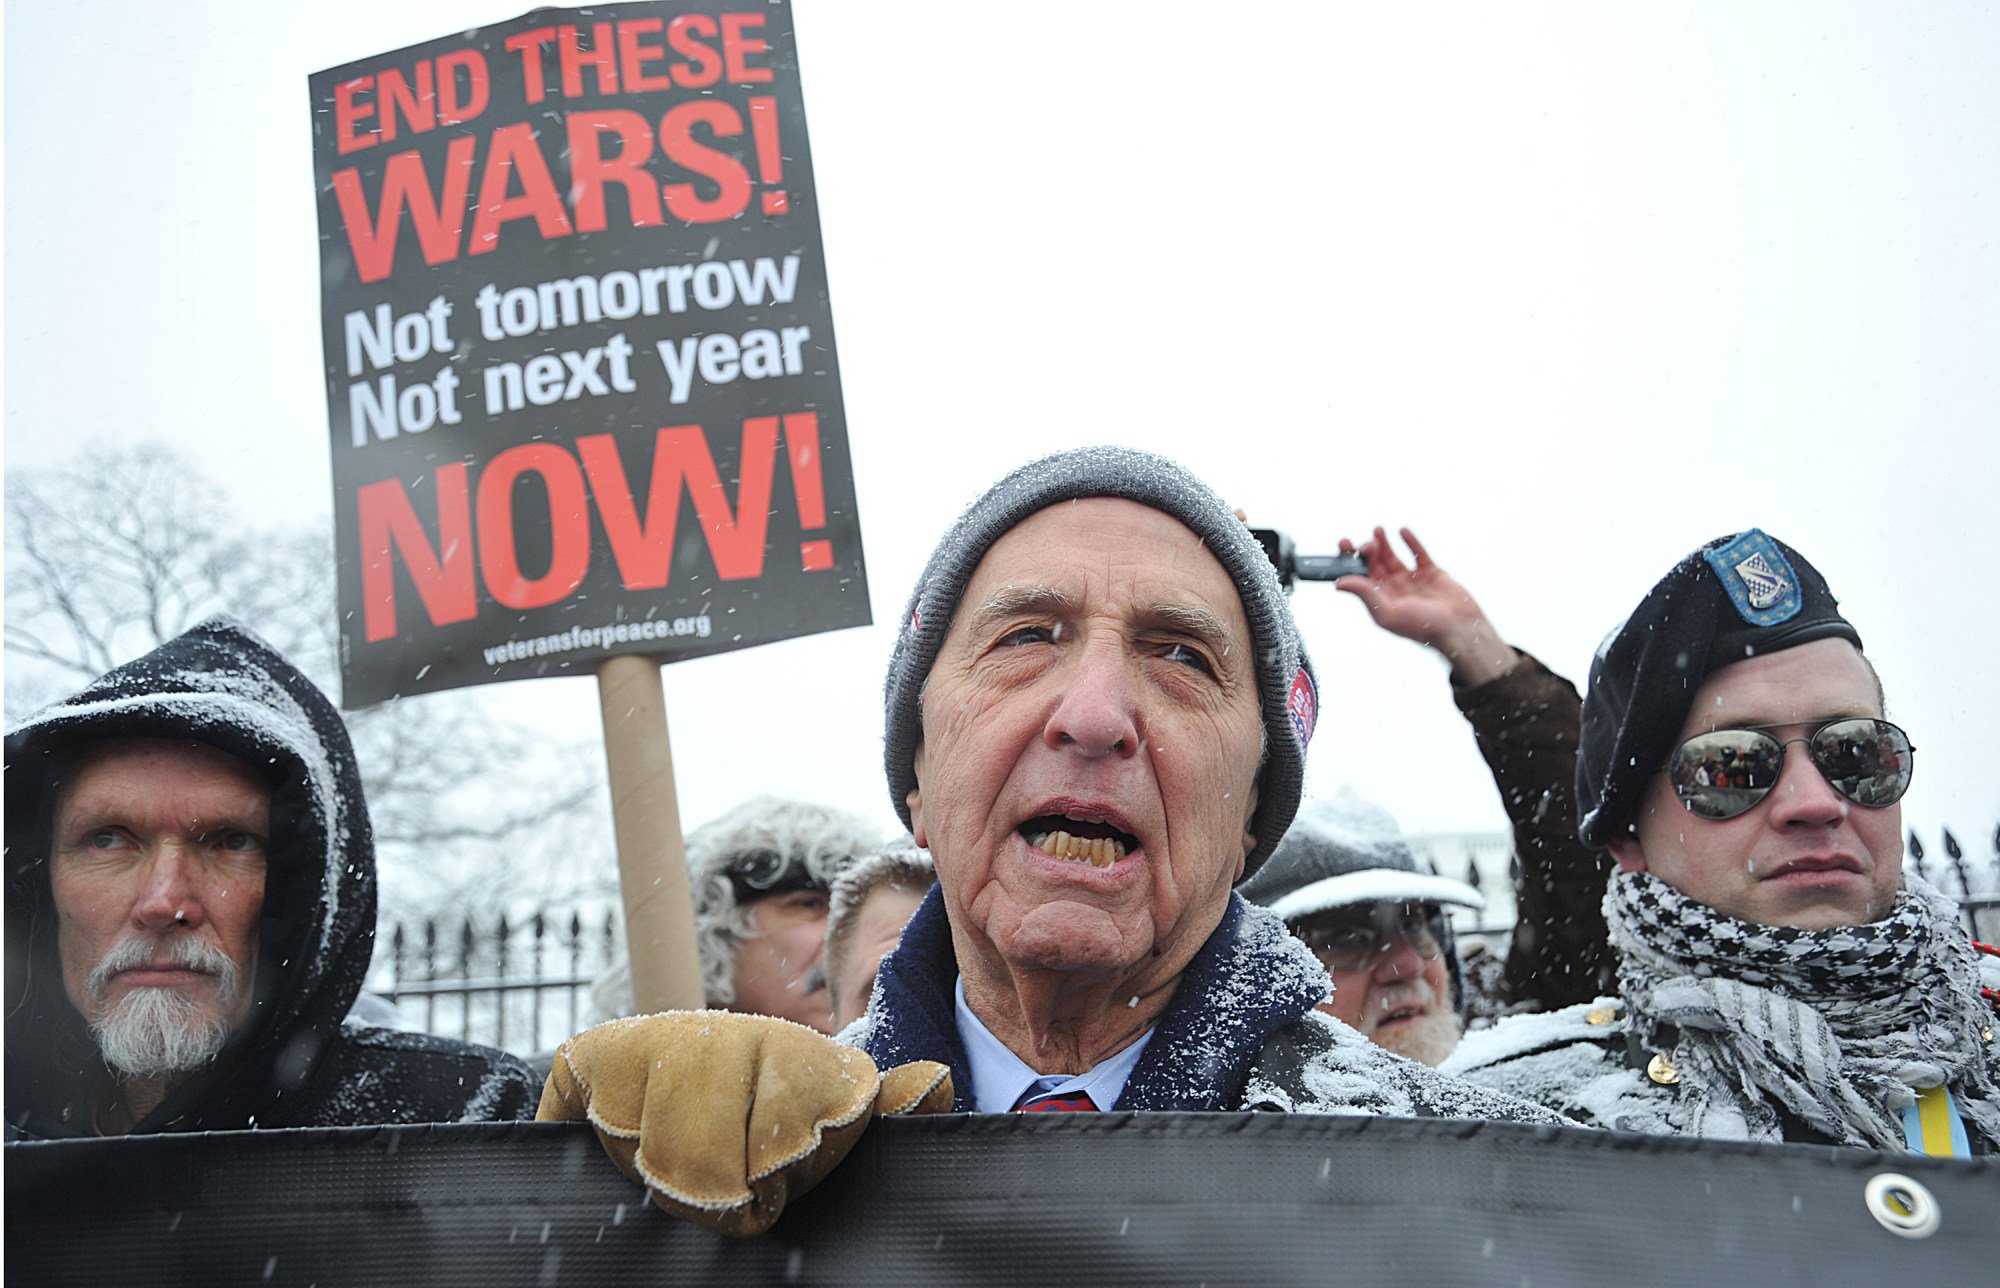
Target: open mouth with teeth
(1078, 840)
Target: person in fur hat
(761, 877)
(1781, 975)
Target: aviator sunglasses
(1726, 772)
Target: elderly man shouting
(1097, 714)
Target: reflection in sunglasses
(1726, 772)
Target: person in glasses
(1347, 886)
(760, 878)
(1781, 976)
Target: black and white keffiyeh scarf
(1838, 1027)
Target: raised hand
(1420, 601)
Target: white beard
(1428, 1040)
(156, 1032)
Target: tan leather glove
(724, 1117)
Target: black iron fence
(520, 983)
(524, 983)
(1972, 880)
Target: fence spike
(430, 973)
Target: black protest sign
(580, 367)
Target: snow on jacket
(1588, 1062)
(1239, 1033)
(293, 1063)
(1584, 1060)
(1603, 1066)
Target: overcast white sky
(1567, 288)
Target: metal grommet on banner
(1661, 1070)
(1901, 1205)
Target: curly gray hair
(767, 844)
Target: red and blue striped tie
(1052, 1102)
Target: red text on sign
(473, 543)
(516, 184)
(643, 55)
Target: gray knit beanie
(1286, 688)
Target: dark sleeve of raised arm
(1526, 724)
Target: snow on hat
(1340, 853)
(1344, 852)
(1285, 686)
(1736, 597)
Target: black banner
(1009, 1199)
(580, 367)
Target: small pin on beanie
(1736, 597)
(1286, 689)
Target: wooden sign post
(646, 817)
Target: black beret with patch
(1736, 597)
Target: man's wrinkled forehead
(1014, 600)
(74, 763)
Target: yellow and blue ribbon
(1933, 1125)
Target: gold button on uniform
(1661, 1070)
(1601, 1015)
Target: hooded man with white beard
(191, 909)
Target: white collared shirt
(1000, 1078)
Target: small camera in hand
(1293, 566)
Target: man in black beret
(1780, 976)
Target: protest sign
(580, 367)
(581, 381)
